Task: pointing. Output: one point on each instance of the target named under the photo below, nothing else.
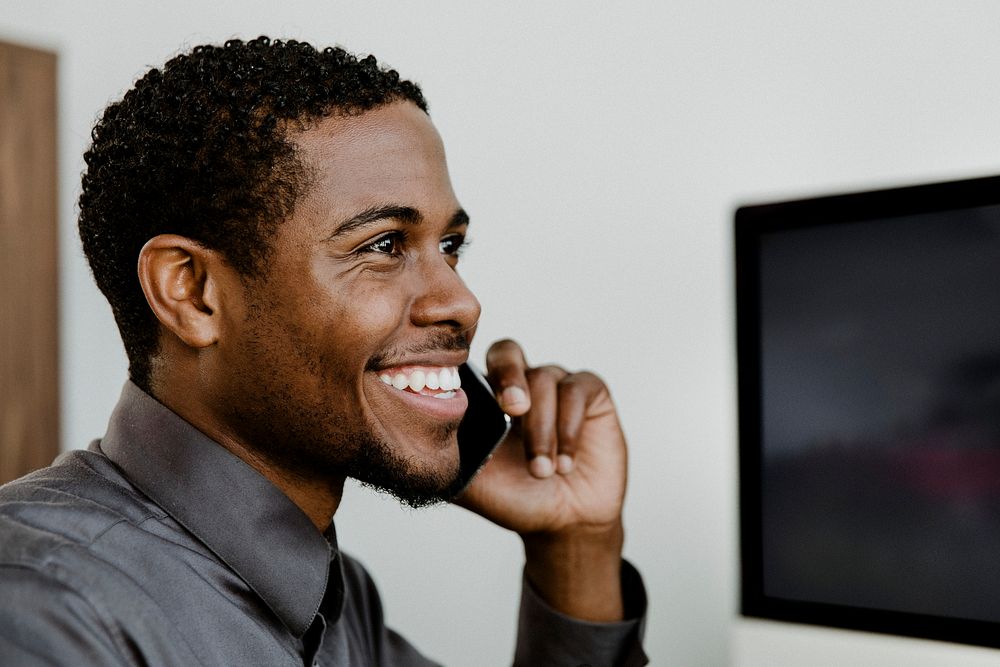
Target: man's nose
(444, 299)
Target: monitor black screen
(869, 365)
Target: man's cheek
(374, 314)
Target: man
(277, 235)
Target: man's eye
(390, 244)
(453, 245)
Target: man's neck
(318, 498)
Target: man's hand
(558, 480)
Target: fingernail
(541, 467)
(513, 396)
(564, 464)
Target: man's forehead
(386, 133)
(391, 154)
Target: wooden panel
(29, 382)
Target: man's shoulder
(78, 546)
(71, 503)
(82, 549)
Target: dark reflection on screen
(881, 413)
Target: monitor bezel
(751, 222)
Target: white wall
(601, 148)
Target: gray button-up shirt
(156, 546)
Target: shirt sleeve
(547, 637)
(45, 623)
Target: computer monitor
(868, 329)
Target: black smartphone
(482, 429)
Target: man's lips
(435, 390)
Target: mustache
(440, 341)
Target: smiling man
(275, 229)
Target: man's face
(361, 289)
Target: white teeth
(400, 381)
(417, 381)
(450, 380)
(444, 378)
(432, 381)
(447, 380)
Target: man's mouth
(434, 381)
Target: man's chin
(414, 482)
(416, 491)
(410, 497)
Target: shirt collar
(246, 521)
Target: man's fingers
(572, 407)
(576, 393)
(505, 369)
(552, 406)
(539, 424)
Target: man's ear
(183, 284)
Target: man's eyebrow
(460, 218)
(406, 214)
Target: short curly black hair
(201, 149)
